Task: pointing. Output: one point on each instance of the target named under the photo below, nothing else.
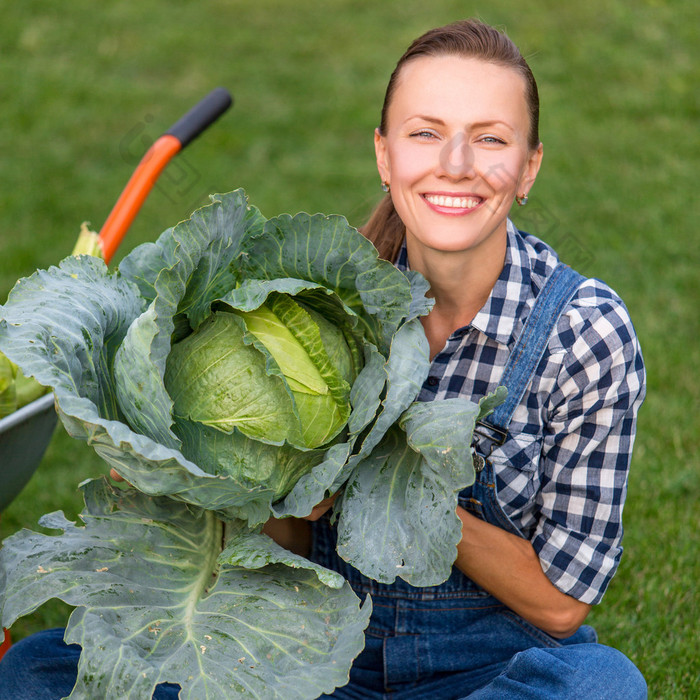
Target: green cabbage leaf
(158, 601)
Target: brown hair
(470, 39)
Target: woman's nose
(457, 157)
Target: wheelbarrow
(26, 433)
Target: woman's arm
(582, 473)
(501, 563)
(508, 568)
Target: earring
(521, 200)
(385, 186)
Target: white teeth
(455, 202)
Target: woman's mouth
(451, 204)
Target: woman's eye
(492, 139)
(424, 134)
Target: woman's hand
(323, 507)
(294, 534)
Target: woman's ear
(382, 156)
(532, 167)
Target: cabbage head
(215, 377)
(280, 373)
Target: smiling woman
(457, 145)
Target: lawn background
(83, 91)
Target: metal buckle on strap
(490, 432)
(494, 435)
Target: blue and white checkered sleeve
(588, 444)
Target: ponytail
(385, 229)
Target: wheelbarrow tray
(24, 437)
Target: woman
(457, 144)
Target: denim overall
(449, 640)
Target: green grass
(84, 90)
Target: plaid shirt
(562, 472)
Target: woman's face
(456, 153)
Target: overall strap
(529, 348)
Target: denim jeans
(44, 667)
(493, 657)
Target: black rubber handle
(204, 113)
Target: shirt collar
(500, 317)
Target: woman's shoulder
(597, 324)
(595, 316)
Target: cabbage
(280, 373)
(235, 369)
(289, 385)
(16, 390)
